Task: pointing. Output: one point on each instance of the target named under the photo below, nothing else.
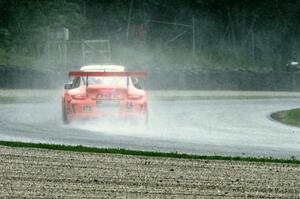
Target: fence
(78, 53)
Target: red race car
(97, 91)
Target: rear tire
(146, 119)
(64, 114)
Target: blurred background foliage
(251, 35)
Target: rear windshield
(122, 81)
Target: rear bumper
(79, 110)
(78, 116)
(122, 115)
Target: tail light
(79, 96)
(135, 97)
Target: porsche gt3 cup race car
(97, 91)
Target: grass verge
(80, 148)
(16, 100)
(291, 117)
(13, 59)
(177, 98)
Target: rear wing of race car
(107, 74)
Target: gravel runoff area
(41, 173)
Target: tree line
(258, 35)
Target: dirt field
(38, 173)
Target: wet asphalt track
(203, 126)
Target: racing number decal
(103, 96)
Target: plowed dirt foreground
(39, 173)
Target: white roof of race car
(104, 68)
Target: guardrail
(24, 77)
